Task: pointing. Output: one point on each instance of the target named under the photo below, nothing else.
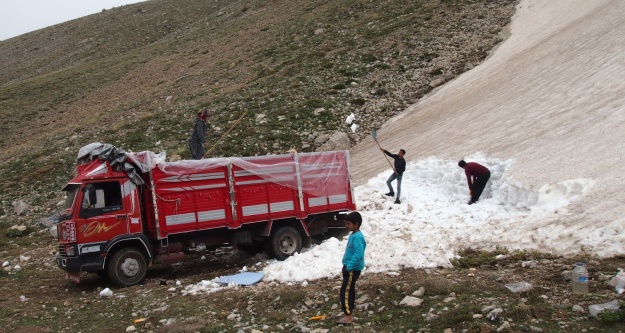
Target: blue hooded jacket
(354, 257)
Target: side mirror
(93, 199)
(90, 198)
(89, 201)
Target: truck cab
(102, 210)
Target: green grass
(475, 258)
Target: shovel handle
(228, 131)
(389, 162)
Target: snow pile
(434, 222)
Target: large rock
(338, 141)
(411, 301)
(21, 208)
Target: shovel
(224, 135)
(374, 134)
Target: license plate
(74, 277)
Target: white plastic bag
(595, 309)
(618, 281)
(519, 287)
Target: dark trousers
(197, 150)
(478, 186)
(348, 290)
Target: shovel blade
(374, 133)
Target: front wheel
(127, 267)
(284, 243)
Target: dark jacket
(400, 163)
(198, 135)
(474, 170)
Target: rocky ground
(476, 295)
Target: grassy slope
(134, 76)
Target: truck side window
(101, 198)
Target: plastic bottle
(579, 279)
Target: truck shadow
(221, 262)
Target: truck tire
(127, 267)
(284, 242)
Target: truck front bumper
(70, 264)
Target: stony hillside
(134, 76)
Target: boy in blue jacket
(353, 264)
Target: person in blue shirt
(353, 264)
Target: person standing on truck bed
(353, 264)
(198, 135)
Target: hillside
(134, 76)
(543, 109)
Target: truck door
(102, 214)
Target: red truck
(127, 211)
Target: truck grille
(61, 250)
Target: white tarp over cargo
(325, 172)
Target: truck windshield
(72, 190)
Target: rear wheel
(284, 243)
(127, 267)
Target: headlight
(70, 250)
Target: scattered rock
(321, 139)
(419, 292)
(261, 118)
(566, 276)
(503, 327)
(411, 301)
(21, 208)
(494, 314)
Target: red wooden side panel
(266, 188)
(331, 173)
(191, 198)
(195, 195)
(283, 201)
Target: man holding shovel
(399, 166)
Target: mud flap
(72, 277)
